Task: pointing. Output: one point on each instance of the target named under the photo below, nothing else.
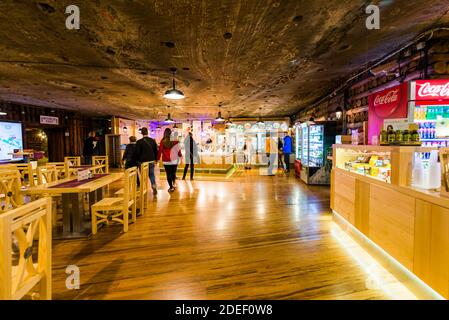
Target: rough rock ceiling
(244, 54)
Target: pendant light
(173, 93)
(229, 118)
(219, 118)
(169, 119)
(158, 125)
(175, 126)
(338, 113)
(259, 120)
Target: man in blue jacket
(287, 151)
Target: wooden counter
(411, 225)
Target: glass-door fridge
(317, 138)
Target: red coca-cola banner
(390, 103)
(428, 90)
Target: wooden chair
(142, 192)
(19, 273)
(117, 209)
(69, 172)
(46, 174)
(11, 196)
(60, 167)
(74, 161)
(144, 186)
(102, 162)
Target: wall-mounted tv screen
(10, 140)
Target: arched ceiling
(244, 54)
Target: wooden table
(74, 224)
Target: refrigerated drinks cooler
(314, 140)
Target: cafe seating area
(58, 201)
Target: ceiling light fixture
(229, 121)
(339, 113)
(3, 113)
(173, 93)
(259, 120)
(219, 118)
(169, 119)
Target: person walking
(147, 151)
(269, 153)
(247, 154)
(170, 152)
(288, 147)
(191, 150)
(88, 148)
(281, 154)
(129, 153)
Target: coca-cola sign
(390, 103)
(431, 89)
(389, 97)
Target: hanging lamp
(229, 118)
(219, 118)
(338, 113)
(259, 120)
(169, 118)
(173, 93)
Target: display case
(403, 166)
(315, 140)
(392, 196)
(369, 162)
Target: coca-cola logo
(433, 90)
(389, 97)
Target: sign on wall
(390, 103)
(49, 120)
(430, 91)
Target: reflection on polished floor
(249, 237)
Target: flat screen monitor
(10, 140)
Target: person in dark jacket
(146, 151)
(129, 152)
(288, 147)
(88, 148)
(191, 151)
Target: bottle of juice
(383, 137)
(398, 137)
(406, 137)
(391, 136)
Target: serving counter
(372, 188)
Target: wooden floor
(249, 237)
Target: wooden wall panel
(423, 231)
(392, 227)
(362, 200)
(344, 199)
(439, 251)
